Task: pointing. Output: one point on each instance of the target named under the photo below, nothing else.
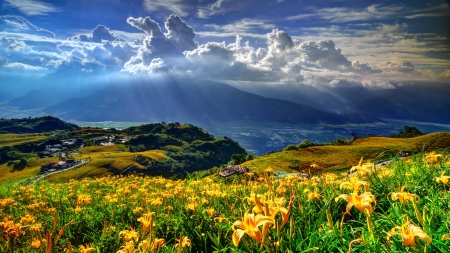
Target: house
(48, 167)
(53, 148)
(100, 139)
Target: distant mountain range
(188, 100)
(88, 95)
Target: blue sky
(319, 43)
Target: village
(65, 149)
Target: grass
(16, 139)
(105, 161)
(8, 173)
(149, 214)
(331, 158)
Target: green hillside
(160, 149)
(34, 125)
(344, 156)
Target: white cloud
(23, 66)
(245, 25)
(175, 6)
(98, 34)
(10, 23)
(32, 7)
(219, 7)
(371, 12)
(17, 46)
(180, 34)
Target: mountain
(34, 125)
(297, 93)
(187, 100)
(4, 97)
(420, 102)
(32, 100)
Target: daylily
(36, 244)
(361, 202)
(249, 226)
(256, 200)
(147, 221)
(443, 179)
(183, 242)
(28, 219)
(128, 235)
(432, 157)
(355, 185)
(86, 249)
(220, 218)
(312, 194)
(210, 211)
(404, 196)
(409, 232)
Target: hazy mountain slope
(186, 100)
(297, 93)
(5, 97)
(33, 99)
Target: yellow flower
(404, 197)
(281, 189)
(211, 211)
(220, 218)
(36, 227)
(312, 195)
(129, 234)
(183, 242)
(158, 243)
(86, 249)
(28, 219)
(361, 202)
(137, 209)
(409, 232)
(445, 237)
(432, 157)
(36, 244)
(256, 200)
(127, 248)
(250, 226)
(354, 185)
(147, 221)
(443, 179)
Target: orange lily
(409, 232)
(443, 179)
(250, 226)
(361, 202)
(404, 196)
(86, 249)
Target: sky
(375, 44)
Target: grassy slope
(16, 139)
(341, 157)
(105, 160)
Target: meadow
(400, 208)
(340, 157)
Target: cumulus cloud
(99, 34)
(23, 66)
(149, 26)
(32, 7)
(180, 34)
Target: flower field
(401, 208)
